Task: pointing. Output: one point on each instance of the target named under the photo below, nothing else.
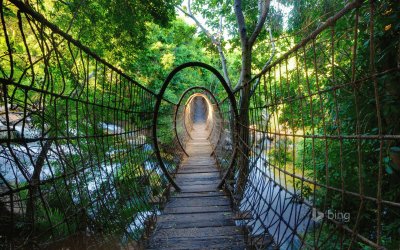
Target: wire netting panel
(183, 124)
(315, 166)
(198, 106)
(77, 161)
(323, 169)
(225, 145)
(170, 150)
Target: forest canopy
(316, 84)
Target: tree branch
(220, 27)
(74, 16)
(243, 36)
(253, 90)
(215, 41)
(201, 26)
(241, 22)
(263, 12)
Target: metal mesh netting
(198, 105)
(318, 168)
(323, 141)
(77, 160)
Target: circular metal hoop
(160, 95)
(179, 104)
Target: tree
(116, 30)
(245, 26)
(39, 59)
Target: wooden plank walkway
(200, 216)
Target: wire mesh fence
(198, 105)
(77, 161)
(80, 166)
(323, 167)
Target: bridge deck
(200, 216)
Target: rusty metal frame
(190, 98)
(160, 95)
(184, 124)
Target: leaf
(395, 149)
(366, 44)
(8, 12)
(386, 160)
(389, 170)
(374, 130)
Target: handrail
(179, 103)
(329, 22)
(39, 17)
(161, 94)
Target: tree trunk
(243, 141)
(34, 183)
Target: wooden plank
(202, 154)
(200, 188)
(199, 157)
(205, 175)
(203, 167)
(200, 216)
(197, 175)
(198, 201)
(211, 163)
(205, 160)
(197, 232)
(195, 170)
(198, 143)
(194, 182)
(197, 181)
(201, 209)
(198, 147)
(197, 151)
(199, 194)
(245, 215)
(199, 165)
(198, 160)
(196, 220)
(190, 178)
(217, 242)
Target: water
(88, 182)
(270, 204)
(274, 207)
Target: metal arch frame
(220, 113)
(186, 129)
(208, 100)
(187, 103)
(160, 95)
(190, 99)
(184, 113)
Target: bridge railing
(187, 115)
(324, 139)
(79, 165)
(77, 157)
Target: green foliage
(114, 29)
(281, 152)
(346, 163)
(147, 41)
(100, 182)
(52, 217)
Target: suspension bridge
(91, 158)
